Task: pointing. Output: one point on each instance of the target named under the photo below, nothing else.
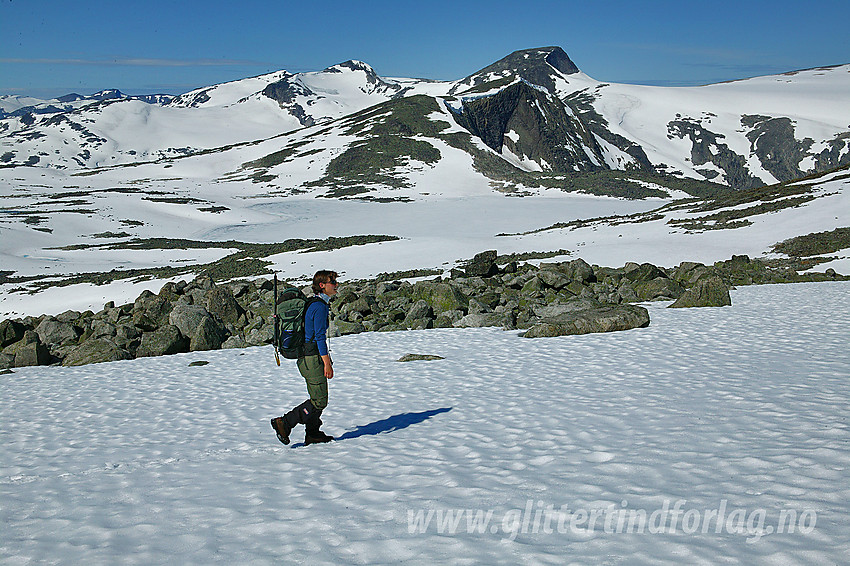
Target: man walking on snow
(315, 366)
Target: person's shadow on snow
(389, 424)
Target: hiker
(315, 366)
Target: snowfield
(705, 438)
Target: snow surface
(742, 408)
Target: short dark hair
(323, 276)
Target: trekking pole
(276, 330)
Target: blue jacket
(316, 324)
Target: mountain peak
(534, 65)
(352, 65)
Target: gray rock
(658, 288)
(447, 319)
(234, 341)
(102, 329)
(419, 357)
(95, 351)
(32, 354)
(441, 296)
(579, 270)
(533, 287)
(151, 311)
(53, 332)
(260, 336)
(6, 361)
(420, 309)
(554, 279)
(162, 341)
(644, 272)
(10, 332)
(709, 291)
(480, 320)
(209, 335)
(188, 317)
(344, 327)
(604, 318)
(221, 302)
(68, 316)
(482, 265)
(557, 309)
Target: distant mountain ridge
(532, 118)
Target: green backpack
(291, 306)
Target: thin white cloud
(135, 62)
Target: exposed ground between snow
(742, 408)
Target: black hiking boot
(316, 438)
(281, 429)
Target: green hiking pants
(313, 371)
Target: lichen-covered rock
(33, 354)
(707, 292)
(209, 335)
(482, 265)
(10, 332)
(6, 361)
(480, 320)
(53, 332)
(162, 341)
(343, 327)
(221, 302)
(188, 317)
(553, 278)
(658, 288)
(441, 296)
(419, 357)
(603, 318)
(95, 351)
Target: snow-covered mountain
(535, 109)
(107, 186)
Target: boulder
(441, 296)
(234, 341)
(553, 278)
(102, 329)
(10, 332)
(343, 327)
(419, 357)
(447, 319)
(221, 302)
(482, 265)
(6, 361)
(53, 332)
(602, 318)
(68, 316)
(95, 351)
(260, 336)
(151, 311)
(162, 341)
(580, 270)
(188, 317)
(480, 320)
(643, 272)
(418, 310)
(208, 335)
(33, 354)
(709, 291)
(658, 288)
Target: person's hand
(329, 367)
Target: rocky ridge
(550, 299)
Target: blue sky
(50, 47)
